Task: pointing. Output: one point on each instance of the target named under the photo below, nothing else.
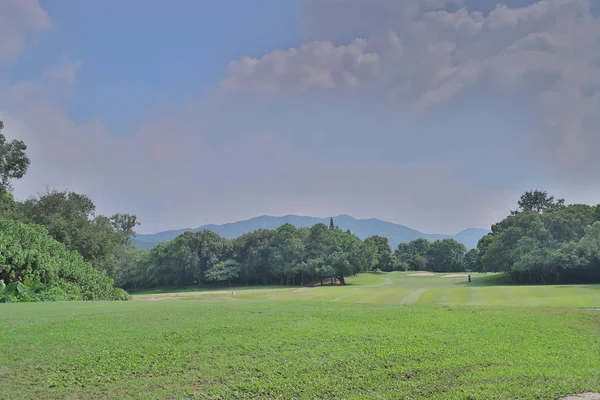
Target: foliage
(20, 292)
(29, 255)
(544, 241)
(537, 201)
(446, 255)
(224, 271)
(385, 258)
(286, 255)
(70, 218)
(13, 160)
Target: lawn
(405, 288)
(327, 342)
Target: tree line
(55, 246)
(283, 256)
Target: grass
(364, 341)
(402, 288)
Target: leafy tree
(471, 260)
(29, 254)
(537, 201)
(70, 218)
(224, 271)
(13, 160)
(446, 256)
(385, 260)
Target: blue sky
(436, 114)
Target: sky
(435, 114)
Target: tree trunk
(342, 281)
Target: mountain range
(363, 228)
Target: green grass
(327, 342)
(402, 288)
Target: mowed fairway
(431, 337)
(407, 288)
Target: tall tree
(13, 160)
(331, 225)
(385, 259)
(537, 201)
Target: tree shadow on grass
(487, 280)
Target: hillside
(363, 228)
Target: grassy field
(431, 337)
(406, 288)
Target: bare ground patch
(422, 274)
(304, 289)
(157, 298)
(583, 396)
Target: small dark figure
(469, 277)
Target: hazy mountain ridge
(363, 228)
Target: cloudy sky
(435, 114)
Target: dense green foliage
(70, 218)
(29, 254)
(13, 160)
(62, 254)
(296, 350)
(286, 255)
(544, 241)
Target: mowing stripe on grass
(413, 297)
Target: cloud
(18, 19)
(316, 65)
(65, 72)
(325, 140)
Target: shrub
(29, 254)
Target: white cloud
(65, 72)
(18, 18)
(426, 53)
(315, 65)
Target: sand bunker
(422, 274)
(456, 276)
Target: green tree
(537, 201)
(224, 271)
(13, 160)
(29, 253)
(70, 218)
(385, 260)
(446, 256)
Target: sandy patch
(303, 289)
(583, 396)
(422, 274)
(456, 276)
(156, 298)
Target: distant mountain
(363, 228)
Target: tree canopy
(13, 160)
(29, 253)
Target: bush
(29, 253)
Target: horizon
(434, 115)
